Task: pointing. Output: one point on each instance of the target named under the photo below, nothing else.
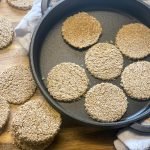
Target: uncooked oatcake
(21, 4)
(135, 80)
(67, 82)
(106, 102)
(104, 61)
(6, 32)
(133, 40)
(4, 113)
(17, 84)
(35, 125)
(81, 30)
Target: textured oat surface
(17, 84)
(21, 4)
(81, 30)
(6, 32)
(28, 146)
(136, 80)
(104, 61)
(4, 112)
(35, 124)
(67, 81)
(106, 102)
(133, 40)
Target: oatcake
(6, 32)
(133, 40)
(17, 84)
(4, 113)
(67, 82)
(106, 102)
(21, 4)
(28, 146)
(135, 80)
(36, 118)
(81, 30)
(104, 61)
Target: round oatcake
(29, 146)
(17, 84)
(6, 32)
(106, 102)
(81, 30)
(4, 113)
(35, 124)
(67, 82)
(104, 61)
(135, 80)
(21, 4)
(133, 40)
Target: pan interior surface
(54, 51)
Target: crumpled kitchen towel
(25, 28)
(127, 138)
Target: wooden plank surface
(72, 135)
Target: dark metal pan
(49, 49)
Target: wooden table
(72, 136)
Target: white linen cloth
(129, 139)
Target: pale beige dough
(35, 124)
(17, 84)
(106, 102)
(6, 32)
(4, 113)
(104, 61)
(21, 4)
(81, 30)
(135, 80)
(67, 82)
(133, 40)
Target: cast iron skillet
(48, 49)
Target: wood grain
(73, 135)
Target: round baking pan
(48, 49)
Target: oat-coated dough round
(81, 30)
(135, 80)
(104, 61)
(29, 146)
(106, 102)
(6, 32)
(4, 112)
(35, 124)
(133, 40)
(17, 84)
(21, 4)
(67, 82)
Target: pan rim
(118, 124)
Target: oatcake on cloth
(133, 40)
(17, 84)
(104, 61)
(81, 30)
(106, 102)
(135, 80)
(67, 82)
(6, 32)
